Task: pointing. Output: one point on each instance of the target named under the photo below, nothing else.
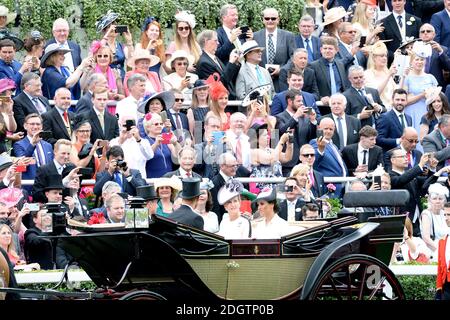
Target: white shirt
(227, 31)
(136, 154)
(275, 229)
(291, 210)
(274, 40)
(361, 155)
(245, 146)
(403, 28)
(173, 80)
(59, 167)
(128, 107)
(210, 222)
(36, 150)
(344, 127)
(236, 229)
(68, 60)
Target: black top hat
(54, 182)
(147, 192)
(191, 188)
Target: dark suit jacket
(391, 31)
(185, 215)
(228, 74)
(350, 157)
(279, 103)
(389, 129)
(416, 156)
(42, 180)
(23, 148)
(76, 51)
(225, 46)
(438, 63)
(304, 131)
(177, 173)
(11, 71)
(53, 122)
(424, 9)
(283, 210)
(433, 143)
(309, 80)
(23, 106)
(315, 45)
(347, 59)
(319, 188)
(111, 125)
(355, 104)
(128, 186)
(353, 127)
(84, 104)
(323, 76)
(184, 123)
(441, 23)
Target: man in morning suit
(363, 102)
(347, 126)
(104, 125)
(209, 63)
(363, 156)
(441, 23)
(398, 26)
(438, 141)
(60, 32)
(128, 179)
(59, 120)
(391, 124)
(33, 146)
(306, 39)
(290, 209)
(308, 156)
(185, 214)
(30, 100)
(84, 104)
(302, 126)
(330, 73)
(279, 44)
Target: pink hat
(6, 84)
(10, 196)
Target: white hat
(431, 94)
(230, 190)
(250, 46)
(258, 91)
(422, 49)
(179, 54)
(334, 14)
(4, 12)
(51, 49)
(186, 16)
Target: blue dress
(161, 163)
(119, 60)
(52, 80)
(430, 123)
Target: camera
(369, 107)
(121, 29)
(270, 69)
(244, 30)
(129, 123)
(288, 188)
(121, 164)
(45, 135)
(58, 217)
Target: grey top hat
(191, 188)
(5, 161)
(147, 192)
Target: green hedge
(38, 14)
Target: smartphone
(291, 138)
(377, 179)
(369, 107)
(288, 188)
(121, 29)
(34, 60)
(244, 30)
(362, 41)
(319, 133)
(218, 135)
(103, 143)
(188, 78)
(21, 168)
(166, 137)
(129, 123)
(163, 116)
(308, 110)
(32, 206)
(45, 135)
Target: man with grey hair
(438, 143)
(363, 102)
(59, 120)
(129, 105)
(30, 100)
(350, 52)
(279, 44)
(306, 40)
(208, 63)
(96, 80)
(238, 140)
(109, 188)
(60, 32)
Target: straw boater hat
(250, 46)
(333, 15)
(174, 182)
(179, 54)
(4, 12)
(142, 54)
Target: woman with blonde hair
(378, 75)
(7, 243)
(301, 173)
(152, 39)
(364, 21)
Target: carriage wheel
(142, 295)
(357, 277)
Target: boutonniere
(411, 21)
(354, 131)
(298, 209)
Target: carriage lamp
(53, 219)
(136, 214)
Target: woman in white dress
(204, 205)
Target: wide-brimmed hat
(333, 15)
(7, 84)
(231, 189)
(51, 49)
(106, 20)
(174, 182)
(409, 40)
(422, 49)
(179, 54)
(54, 181)
(167, 98)
(191, 188)
(250, 46)
(147, 192)
(10, 16)
(6, 34)
(431, 94)
(267, 194)
(10, 196)
(258, 91)
(5, 160)
(142, 54)
(200, 83)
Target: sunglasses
(412, 141)
(179, 99)
(103, 56)
(308, 155)
(182, 63)
(426, 31)
(270, 18)
(183, 28)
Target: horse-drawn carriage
(340, 258)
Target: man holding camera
(137, 150)
(118, 171)
(363, 102)
(291, 207)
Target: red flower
(331, 187)
(97, 218)
(148, 116)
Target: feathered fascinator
(230, 190)
(186, 16)
(216, 87)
